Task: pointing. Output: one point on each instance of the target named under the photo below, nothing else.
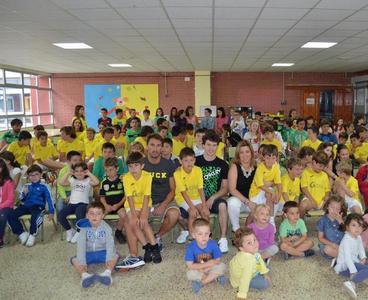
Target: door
(310, 103)
(326, 104)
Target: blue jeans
(78, 209)
(36, 213)
(4, 219)
(360, 276)
(259, 282)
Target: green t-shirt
(99, 170)
(9, 137)
(297, 138)
(286, 134)
(131, 135)
(289, 230)
(62, 190)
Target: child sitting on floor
(247, 268)
(81, 180)
(351, 260)
(264, 232)
(95, 246)
(202, 257)
(329, 234)
(293, 233)
(34, 197)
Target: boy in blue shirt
(34, 197)
(202, 257)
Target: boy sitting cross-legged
(202, 257)
(95, 245)
(293, 233)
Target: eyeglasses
(33, 174)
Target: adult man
(11, 135)
(215, 172)
(163, 192)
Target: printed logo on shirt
(106, 187)
(203, 257)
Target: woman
(79, 129)
(342, 154)
(253, 136)
(69, 142)
(79, 114)
(241, 174)
(173, 116)
(293, 114)
(191, 117)
(221, 119)
(181, 120)
(159, 115)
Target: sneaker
(286, 255)
(182, 238)
(156, 255)
(267, 261)
(104, 278)
(69, 235)
(309, 252)
(31, 240)
(130, 262)
(75, 238)
(87, 280)
(223, 245)
(350, 288)
(333, 263)
(147, 253)
(23, 237)
(196, 286)
(221, 280)
(120, 236)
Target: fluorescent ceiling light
(318, 45)
(120, 65)
(282, 64)
(72, 45)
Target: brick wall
(68, 90)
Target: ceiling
(184, 35)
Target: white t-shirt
(254, 140)
(197, 151)
(80, 190)
(149, 122)
(14, 172)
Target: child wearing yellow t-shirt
(119, 141)
(247, 268)
(266, 187)
(90, 143)
(119, 118)
(312, 140)
(107, 135)
(137, 188)
(69, 142)
(178, 138)
(347, 187)
(145, 132)
(21, 149)
(358, 149)
(45, 154)
(269, 138)
(189, 138)
(315, 184)
(189, 194)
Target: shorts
(215, 205)
(93, 258)
(271, 250)
(171, 205)
(195, 275)
(184, 207)
(322, 251)
(260, 198)
(351, 202)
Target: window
(25, 96)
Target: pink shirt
(7, 195)
(364, 234)
(265, 236)
(220, 122)
(192, 120)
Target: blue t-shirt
(198, 255)
(330, 229)
(327, 138)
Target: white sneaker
(182, 238)
(223, 245)
(69, 235)
(350, 288)
(23, 237)
(75, 238)
(333, 262)
(31, 240)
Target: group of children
(108, 167)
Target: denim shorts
(94, 257)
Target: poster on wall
(113, 96)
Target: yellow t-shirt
(275, 142)
(220, 150)
(98, 137)
(116, 121)
(264, 174)
(177, 146)
(76, 145)
(19, 152)
(35, 142)
(290, 187)
(98, 148)
(361, 152)
(243, 267)
(138, 189)
(189, 140)
(352, 185)
(142, 141)
(81, 135)
(317, 184)
(314, 145)
(117, 142)
(44, 153)
(89, 146)
(189, 183)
